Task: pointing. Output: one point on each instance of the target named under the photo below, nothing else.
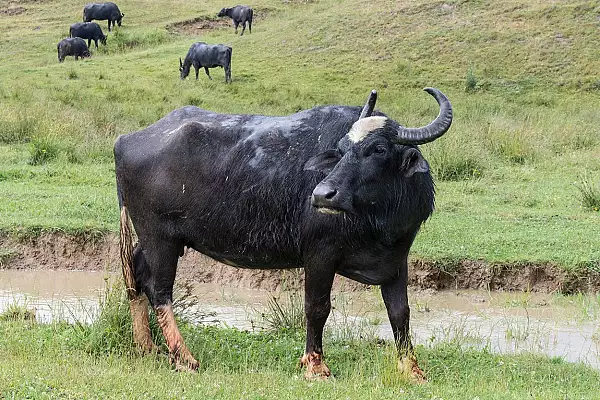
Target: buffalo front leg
(317, 305)
(395, 297)
(207, 73)
(179, 354)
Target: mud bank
(97, 253)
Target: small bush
(72, 74)
(471, 81)
(589, 193)
(41, 151)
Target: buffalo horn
(369, 106)
(439, 126)
(180, 63)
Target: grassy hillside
(522, 77)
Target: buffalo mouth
(328, 210)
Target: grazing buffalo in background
(88, 30)
(239, 14)
(102, 11)
(72, 47)
(323, 189)
(208, 56)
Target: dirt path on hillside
(93, 253)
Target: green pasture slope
(523, 77)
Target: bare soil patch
(11, 11)
(205, 23)
(90, 253)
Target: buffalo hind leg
(317, 305)
(138, 305)
(243, 28)
(395, 297)
(207, 73)
(161, 258)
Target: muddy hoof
(315, 367)
(409, 368)
(184, 365)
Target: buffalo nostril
(331, 194)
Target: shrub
(471, 81)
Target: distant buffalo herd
(200, 54)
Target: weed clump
(72, 74)
(589, 193)
(16, 312)
(42, 151)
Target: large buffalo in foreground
(202, 55)
(103, 11)
(239, 15)
(323, 189)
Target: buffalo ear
(413, 162)
(324, 162)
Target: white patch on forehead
(363, 127)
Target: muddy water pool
(551, 324)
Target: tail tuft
(126, 248)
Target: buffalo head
(184, 71)
(374, 161)
(223, 12)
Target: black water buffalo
(239, 14)
(208, 56)
(322, 189)
(72, 47)
(88, 30)
(102, 11)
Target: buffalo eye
(381, 149)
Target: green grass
(521, 75)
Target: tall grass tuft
(451, 161)
(42, 150)
(18, 312)
(126, 40)
(18, 130)
(589, 193)
(72, 74)
(287, 315)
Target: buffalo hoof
(315, 367)
(183, 365)
(409, 368)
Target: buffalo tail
(126, 250)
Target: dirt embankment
(60, 251)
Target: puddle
(566, 327)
